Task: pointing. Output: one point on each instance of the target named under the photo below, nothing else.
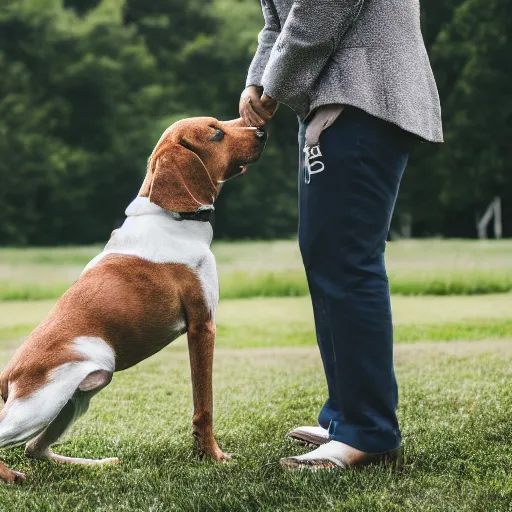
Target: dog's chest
(157, 237)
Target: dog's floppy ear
(95, 380)
(180, 181)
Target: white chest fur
(153, 234)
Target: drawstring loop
(312, 152)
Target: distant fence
(493, 212)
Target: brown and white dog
(155, 280)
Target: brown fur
(187, 161)
(9, 476)
(176, 168)
(130, 303)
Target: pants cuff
(373, 439)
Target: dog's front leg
(201, 342)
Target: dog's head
(194, 157)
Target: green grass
(455, 282)
(264, 284)
(288, 322)
(297, 335)
(438, 282)
(455, 415)
(15, 332)
(284, 254)
(49, 255)
(293, 284)
(274, 269)
(10, 291)
(454, 364)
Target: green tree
(81, 6)
(447, 185)
(208, 47)
(76, 111)
(88, 87)
(479, 105)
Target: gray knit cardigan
(365, 53)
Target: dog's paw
(215, 454)
(18, 478)
(220, 456)
(13, 477)
(226, 457)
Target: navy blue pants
(345, 209)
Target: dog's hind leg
(39, 448)
(21, 419)
(37, 403)
(9, 476)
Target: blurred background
(87, 87)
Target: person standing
(357, 74)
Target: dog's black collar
(200, 216)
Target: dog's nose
(261, 134)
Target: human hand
(269, 104)
(255, 109)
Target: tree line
(87, 87)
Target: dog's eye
(186, 145)
(219, 135)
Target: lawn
(273, 269)
(453, 360)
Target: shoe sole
(295, 465)
(308, 439)
(393, 459)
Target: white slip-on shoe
(338, 455)
(310, 435)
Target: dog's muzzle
(261, 134)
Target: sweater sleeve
(266, 39)
(312, 32)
